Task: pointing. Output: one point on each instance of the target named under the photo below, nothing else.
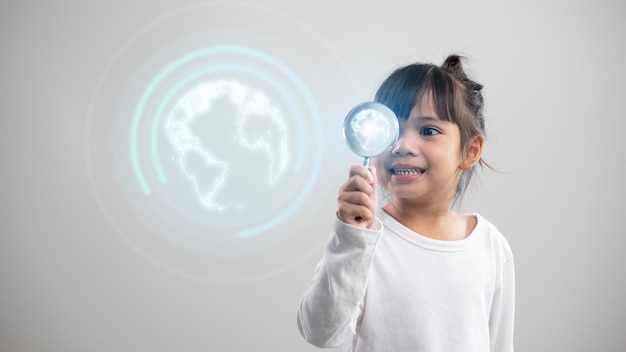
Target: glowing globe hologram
(213, 136)
(218, 54)
(252, 102)
(370, 129)
(260, 129)
(206, 136)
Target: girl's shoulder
(490, 233)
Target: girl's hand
(357, 197)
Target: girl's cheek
(381, 176)
(379, 161)
(378, 164)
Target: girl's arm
(503, 311)
(331, 304)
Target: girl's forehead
(425, 107)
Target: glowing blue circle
(145, 97)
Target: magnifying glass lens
(370, 129)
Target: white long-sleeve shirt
(390, 289)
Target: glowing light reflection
(371, 128)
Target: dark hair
(457, 99)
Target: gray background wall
(82, 270)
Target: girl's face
(426, 163)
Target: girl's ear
(473, 152)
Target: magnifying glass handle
(366, 163)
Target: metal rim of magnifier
(385, 111)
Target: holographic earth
(240, 127)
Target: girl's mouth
(407, 172)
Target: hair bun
(453, 65)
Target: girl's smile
(401, 172)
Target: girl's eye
(428, 131)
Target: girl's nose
(403, 146)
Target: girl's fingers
(357, 198)
(362, 171)
(357, 216)
(357, 184)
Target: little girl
(415, 275)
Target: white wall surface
(83, 269)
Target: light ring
(163, 74)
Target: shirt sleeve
(330, 307)
(502, 316)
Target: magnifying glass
(370, 129)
